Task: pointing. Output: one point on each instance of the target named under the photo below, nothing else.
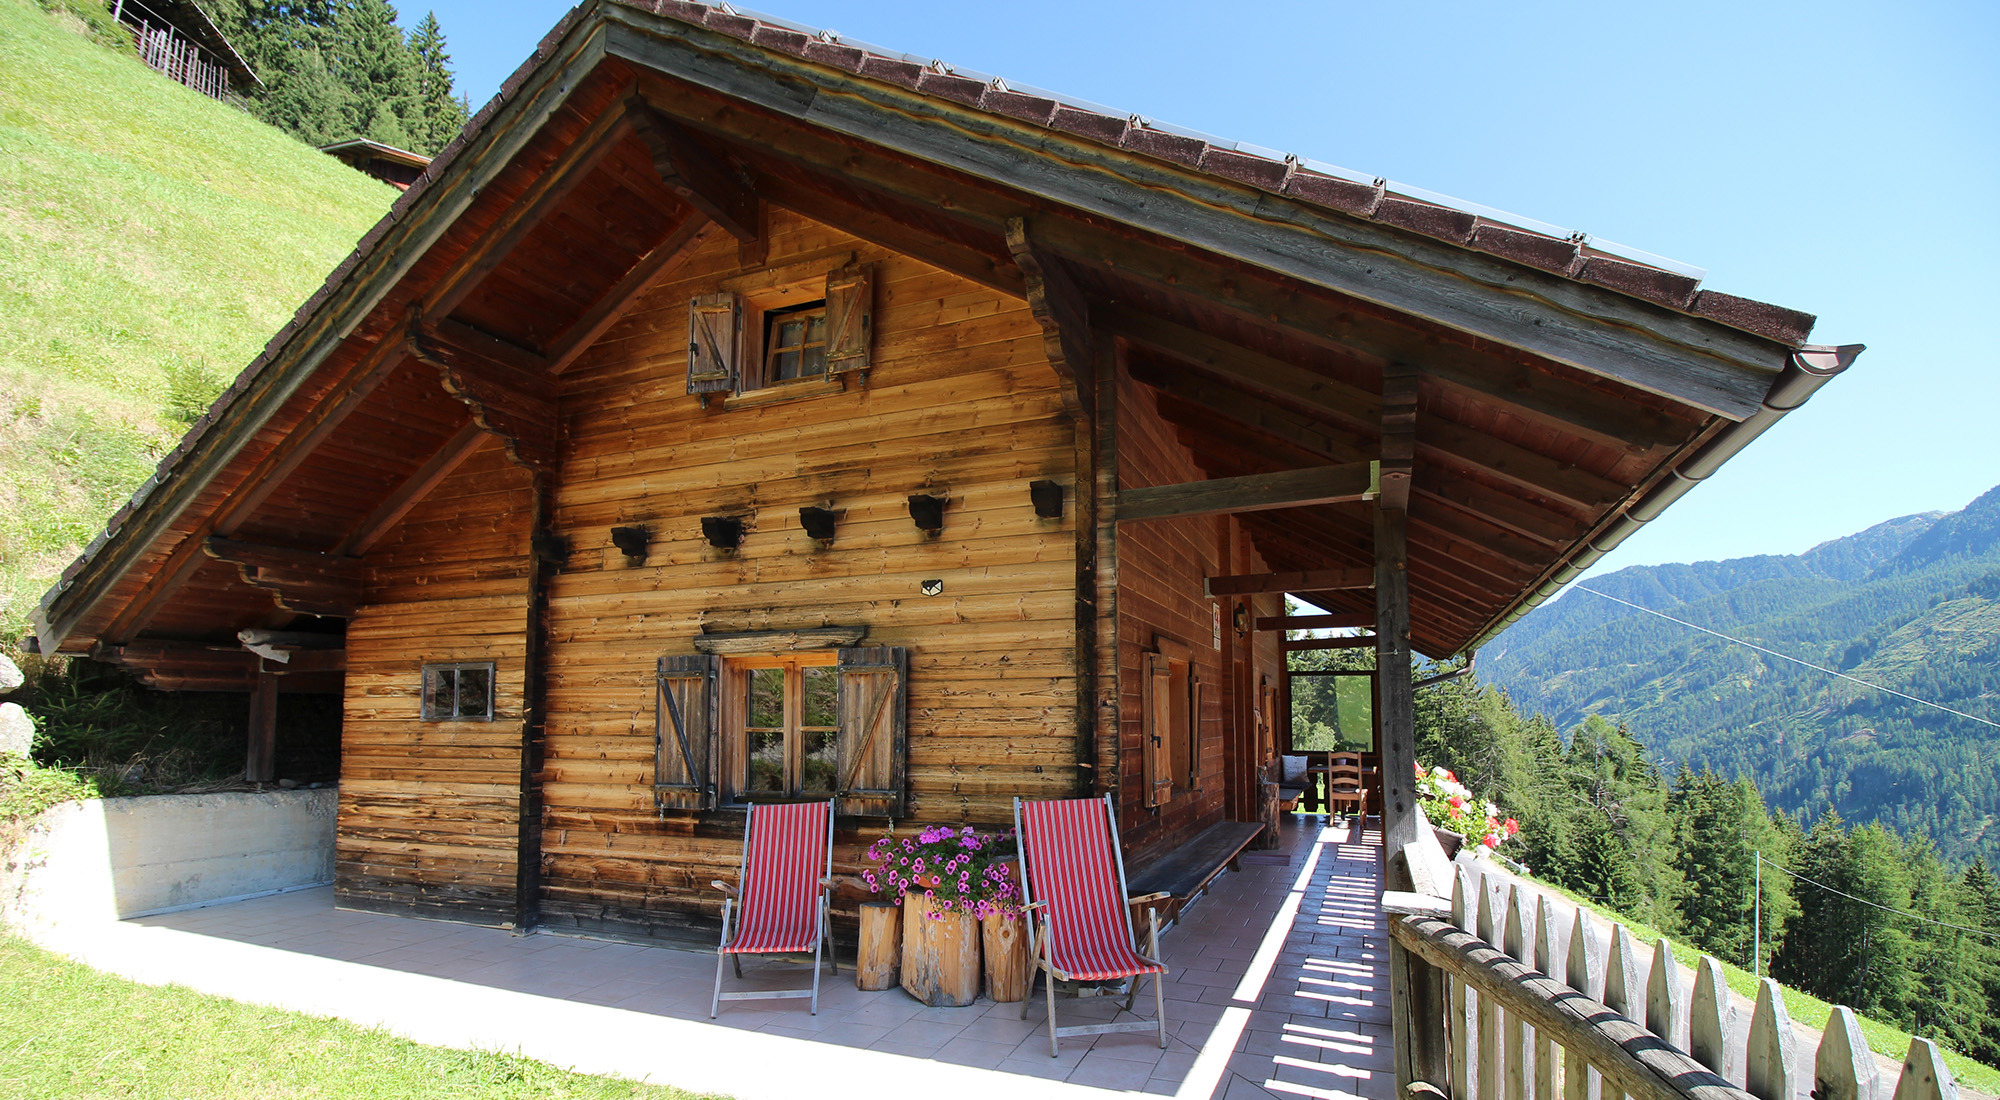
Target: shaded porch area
(1279, 987)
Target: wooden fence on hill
(1493, 1002)
(172, 54)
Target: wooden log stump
(1005, 940)
(879, 956)
(1267, 812)
(940, 953)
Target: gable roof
(1301, 267)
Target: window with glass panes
(458, 692)
(789, 724)
(795, 343)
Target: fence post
(1664, 1007)
(1548, 1071)
(1924, 1075)
(1711, 1017)
(1464, 1059)
(1514, 941)
(1488, 1023)
(1843, 1067)
(1580, 974)
(1767, 1060)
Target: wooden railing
(1498, 999)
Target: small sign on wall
(1217, 643)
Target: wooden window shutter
(1157, 728)
(872, 700)
(850, 302)
(685, 729)
(715, 334)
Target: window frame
(433, 668)
(733, 774)
(1291, 716)
(768, 318)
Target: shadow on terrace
(1279, 987)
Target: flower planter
(940, 953)
(878, 956)
(1005, 940)
(1451, 842)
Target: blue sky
(1839, 158)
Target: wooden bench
(1185, 872)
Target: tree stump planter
(878, 957)
(940, 956)
(1006, 949)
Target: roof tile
(1244, 168)
(960, 89)
(680, 9)
(1787, 326)
(1639, 280)
(1166, 146)
(893, 70)
(1538, 250)
(1340, 194)
(1028, 108)
(729, 23)
(847, 58)
(1426, 218)
(1109, 129)
(780, 38)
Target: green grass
(1804, 1009)
(68, 1030)
(151, 241)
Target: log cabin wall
(1162, 569)
(429, 811)
(960, 402)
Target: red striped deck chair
(780, 903)
(1073, 884)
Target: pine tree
(380, 74)
(308, 101)
(443, 113)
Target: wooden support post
(260, 761)
(1395, 707)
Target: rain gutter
(1810, 368)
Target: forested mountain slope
(1911, 604)
(151, 240)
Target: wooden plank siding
(1162, 567)
(960, 402)
(429, 811)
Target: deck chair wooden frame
(1114, 943)
(777, 930)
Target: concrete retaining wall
(127, 857)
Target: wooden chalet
(399, 168)
(734, 412)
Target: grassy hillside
(1912, 604)
(151, 240)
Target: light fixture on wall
(818, 523)
(1048, 498)
(631, 541)
(1241, 619)
(722, 532)
(927, 512)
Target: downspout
(1810, 368)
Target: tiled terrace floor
(1279, 987)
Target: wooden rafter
(512, 399)
(677, 246)
(1353, 641)
(1343, 484)
(304, 581)
(1357, 620)
(695, 172)
(973, 264)
(1399, 433)
(414, 488)
(1321, 580)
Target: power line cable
(1878, 905)
(1788, 657)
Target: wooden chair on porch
(780, 902)
(1344, 784)
(1073, 885)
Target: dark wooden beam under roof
(302, 581)
(1353, 641)
(1356, 620)
(515, 401)
(702, 178)
(669, 254)
(415, 488)
(1257, 584)
(1058, 306)
(1344, 484)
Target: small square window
(458, 692)
(795, 343)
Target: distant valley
(1911, 604)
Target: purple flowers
(958, 869)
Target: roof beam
(510, 392)
(1258, 584)
(1353, 641)
(1359, 620)
(1344, 484)
(669, 254)
(1058, 306)
(1399, 434)
(303, 581)
(414, 488)
(1346, 405)
(696, 173)
(965, 261)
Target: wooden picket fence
(1494, 1001)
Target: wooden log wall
(960, 402)
(428, 817)
(1162, 569)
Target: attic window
(795, 343)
